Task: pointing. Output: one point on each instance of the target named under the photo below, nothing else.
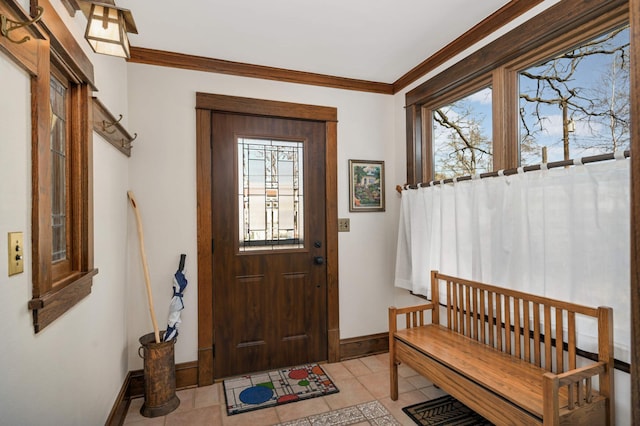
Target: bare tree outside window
(462, 136)
(577, 103)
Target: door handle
(318, 260)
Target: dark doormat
(267, 389)
(442, 411)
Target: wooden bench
(490, 352)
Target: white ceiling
(375, 40)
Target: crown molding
(199, 63)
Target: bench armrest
(411, 309)
(414, 316)
(580, 374)
(579, 389)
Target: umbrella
(176, 306)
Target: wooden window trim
(71, 5)
(52, 297)
(557, 28)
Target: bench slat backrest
(539, 330)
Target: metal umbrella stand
(159, 363)
(159, 376)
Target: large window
(577, 103)
(555, 88)
(62, 225)
(462, 136)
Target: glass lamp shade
(107, 30)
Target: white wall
(71, 372)
(162, 105)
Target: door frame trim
(206, 104)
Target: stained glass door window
(270, 194)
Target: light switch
(343, 225)
(16, 253)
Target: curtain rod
(513, 171)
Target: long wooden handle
(147, 280)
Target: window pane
(577, 103)
(270, 196)
(462, 136)
(58, 170)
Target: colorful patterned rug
(261, 390)
(442, 411)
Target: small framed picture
(366, 186)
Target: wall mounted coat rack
(107, 126)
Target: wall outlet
(343, 225)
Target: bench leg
(394, 380)
(550, 393)
(393, 365)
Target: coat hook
(106, 125)
(9, 25)
(126, 144)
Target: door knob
(318, 260)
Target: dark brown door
(268, 226)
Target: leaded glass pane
(58, 171)
(270, 194)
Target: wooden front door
(280, 339)
(269, 243)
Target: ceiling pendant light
(107, 29)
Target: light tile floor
(363, 400)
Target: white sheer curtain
(561, 233)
